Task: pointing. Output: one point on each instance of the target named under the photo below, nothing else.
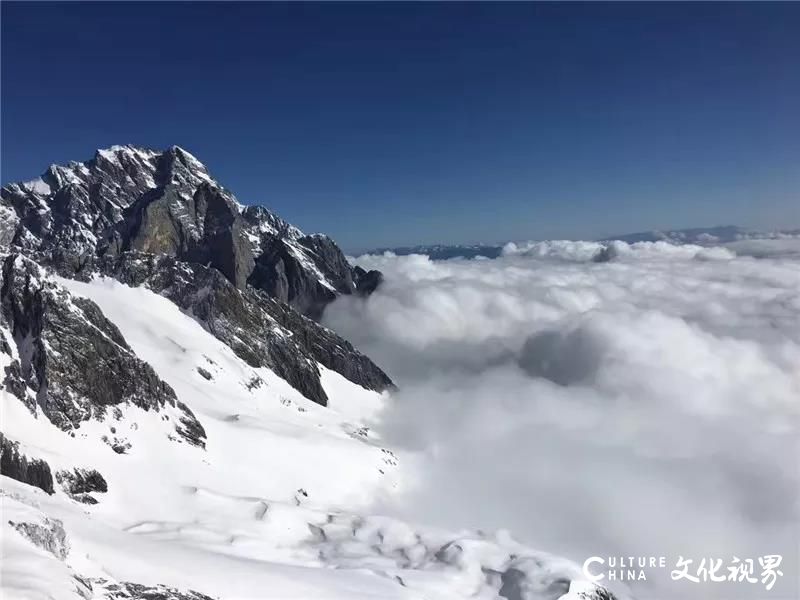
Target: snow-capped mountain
(175, 423)
(159, 219)
(165, 203)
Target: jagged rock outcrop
(72, 363)
(49, 535)
(262, 331)
(129, 198)
(367, 281)
(126, 590)
(16, 465)
(205, 228)
(79, 484)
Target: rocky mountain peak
(159, 219)
(129, 198)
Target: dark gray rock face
(166, 203)
(48, 535)
(262, 331)
(204, 227)
(134, 591)
(517, 583)
(73, 362)
(11, 375)
(17, 466)
(366, 281)
(329, 349)
(597, 594)
(280, 273)
(80, 483)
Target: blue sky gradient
(389, 124)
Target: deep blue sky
(387, 124)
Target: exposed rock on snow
(49, 535)
(36, 551)
(16, 465)
(205, 374)
(261, 330)
(74, 362)
(79, 483)
(135, 591)
(8, 226)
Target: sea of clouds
(598, 399)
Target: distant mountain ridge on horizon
(701, 236)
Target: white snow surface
(277, 505)
(37, 186)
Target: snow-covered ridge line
(166, 202)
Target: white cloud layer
(645, 405)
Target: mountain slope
(275, 506)
(159, 219)
(69, 361)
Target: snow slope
(272, 508)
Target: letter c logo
(587, 573)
